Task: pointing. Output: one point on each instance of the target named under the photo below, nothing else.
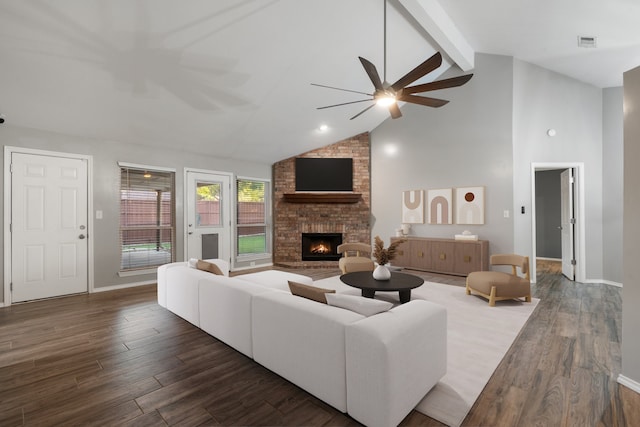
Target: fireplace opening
(321, 246)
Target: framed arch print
(413, 207)
(440, 206)
(470, 205)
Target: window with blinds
(147, 218)
(252, 208)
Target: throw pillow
(209, 266)
(310, 292)
(365, 306)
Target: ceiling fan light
(386, 100)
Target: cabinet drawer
(442, 256)
(403, 254)
(421, 257)
(467, 258)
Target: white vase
(382, 272)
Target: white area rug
(478, 338)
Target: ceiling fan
(389, 95)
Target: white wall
(106, 155)
(542, 100)
(465, 143)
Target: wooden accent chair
(498, 285)
(353, 258)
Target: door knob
(81, 236)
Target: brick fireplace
(318, 215)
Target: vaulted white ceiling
(233, 78)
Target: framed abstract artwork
(440, 206)
(469, 205)
(413, 207)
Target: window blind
(147, 218)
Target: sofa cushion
(276, 279)
(209, 266)
(361, 305)
(225, 309)
(309, 292)
(304, 342)
(406, 348)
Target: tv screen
(324, 174)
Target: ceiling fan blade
(344, 103)
(423, 69)
(363, 111)
(372, 72)
(344, 90)
(439, 84)
(394, 110)
(422, 100)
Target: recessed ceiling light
(323, 128)
(587, 41)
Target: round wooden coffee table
(399, 282)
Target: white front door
(567, 222)
(49, 208)
(208, 215)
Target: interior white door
(208, 218)
(567, 223)
(49, 208)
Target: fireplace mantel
(322, 197)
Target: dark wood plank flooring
(117, 358)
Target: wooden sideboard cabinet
(447, 256)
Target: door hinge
(11, 286)
(572, 221)
(573, 262)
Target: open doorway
(558, 218)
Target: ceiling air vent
(586, 41)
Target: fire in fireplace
(321, 246)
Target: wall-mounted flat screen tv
(324, 174)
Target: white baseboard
(628, 382)
(124, 286)
(605, 282)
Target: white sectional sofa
(374, 368)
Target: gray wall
(465, 143)
(106, 155)
(631, 290)
(548, 214)
(490, 134)
(543, 99)
(612, 183)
